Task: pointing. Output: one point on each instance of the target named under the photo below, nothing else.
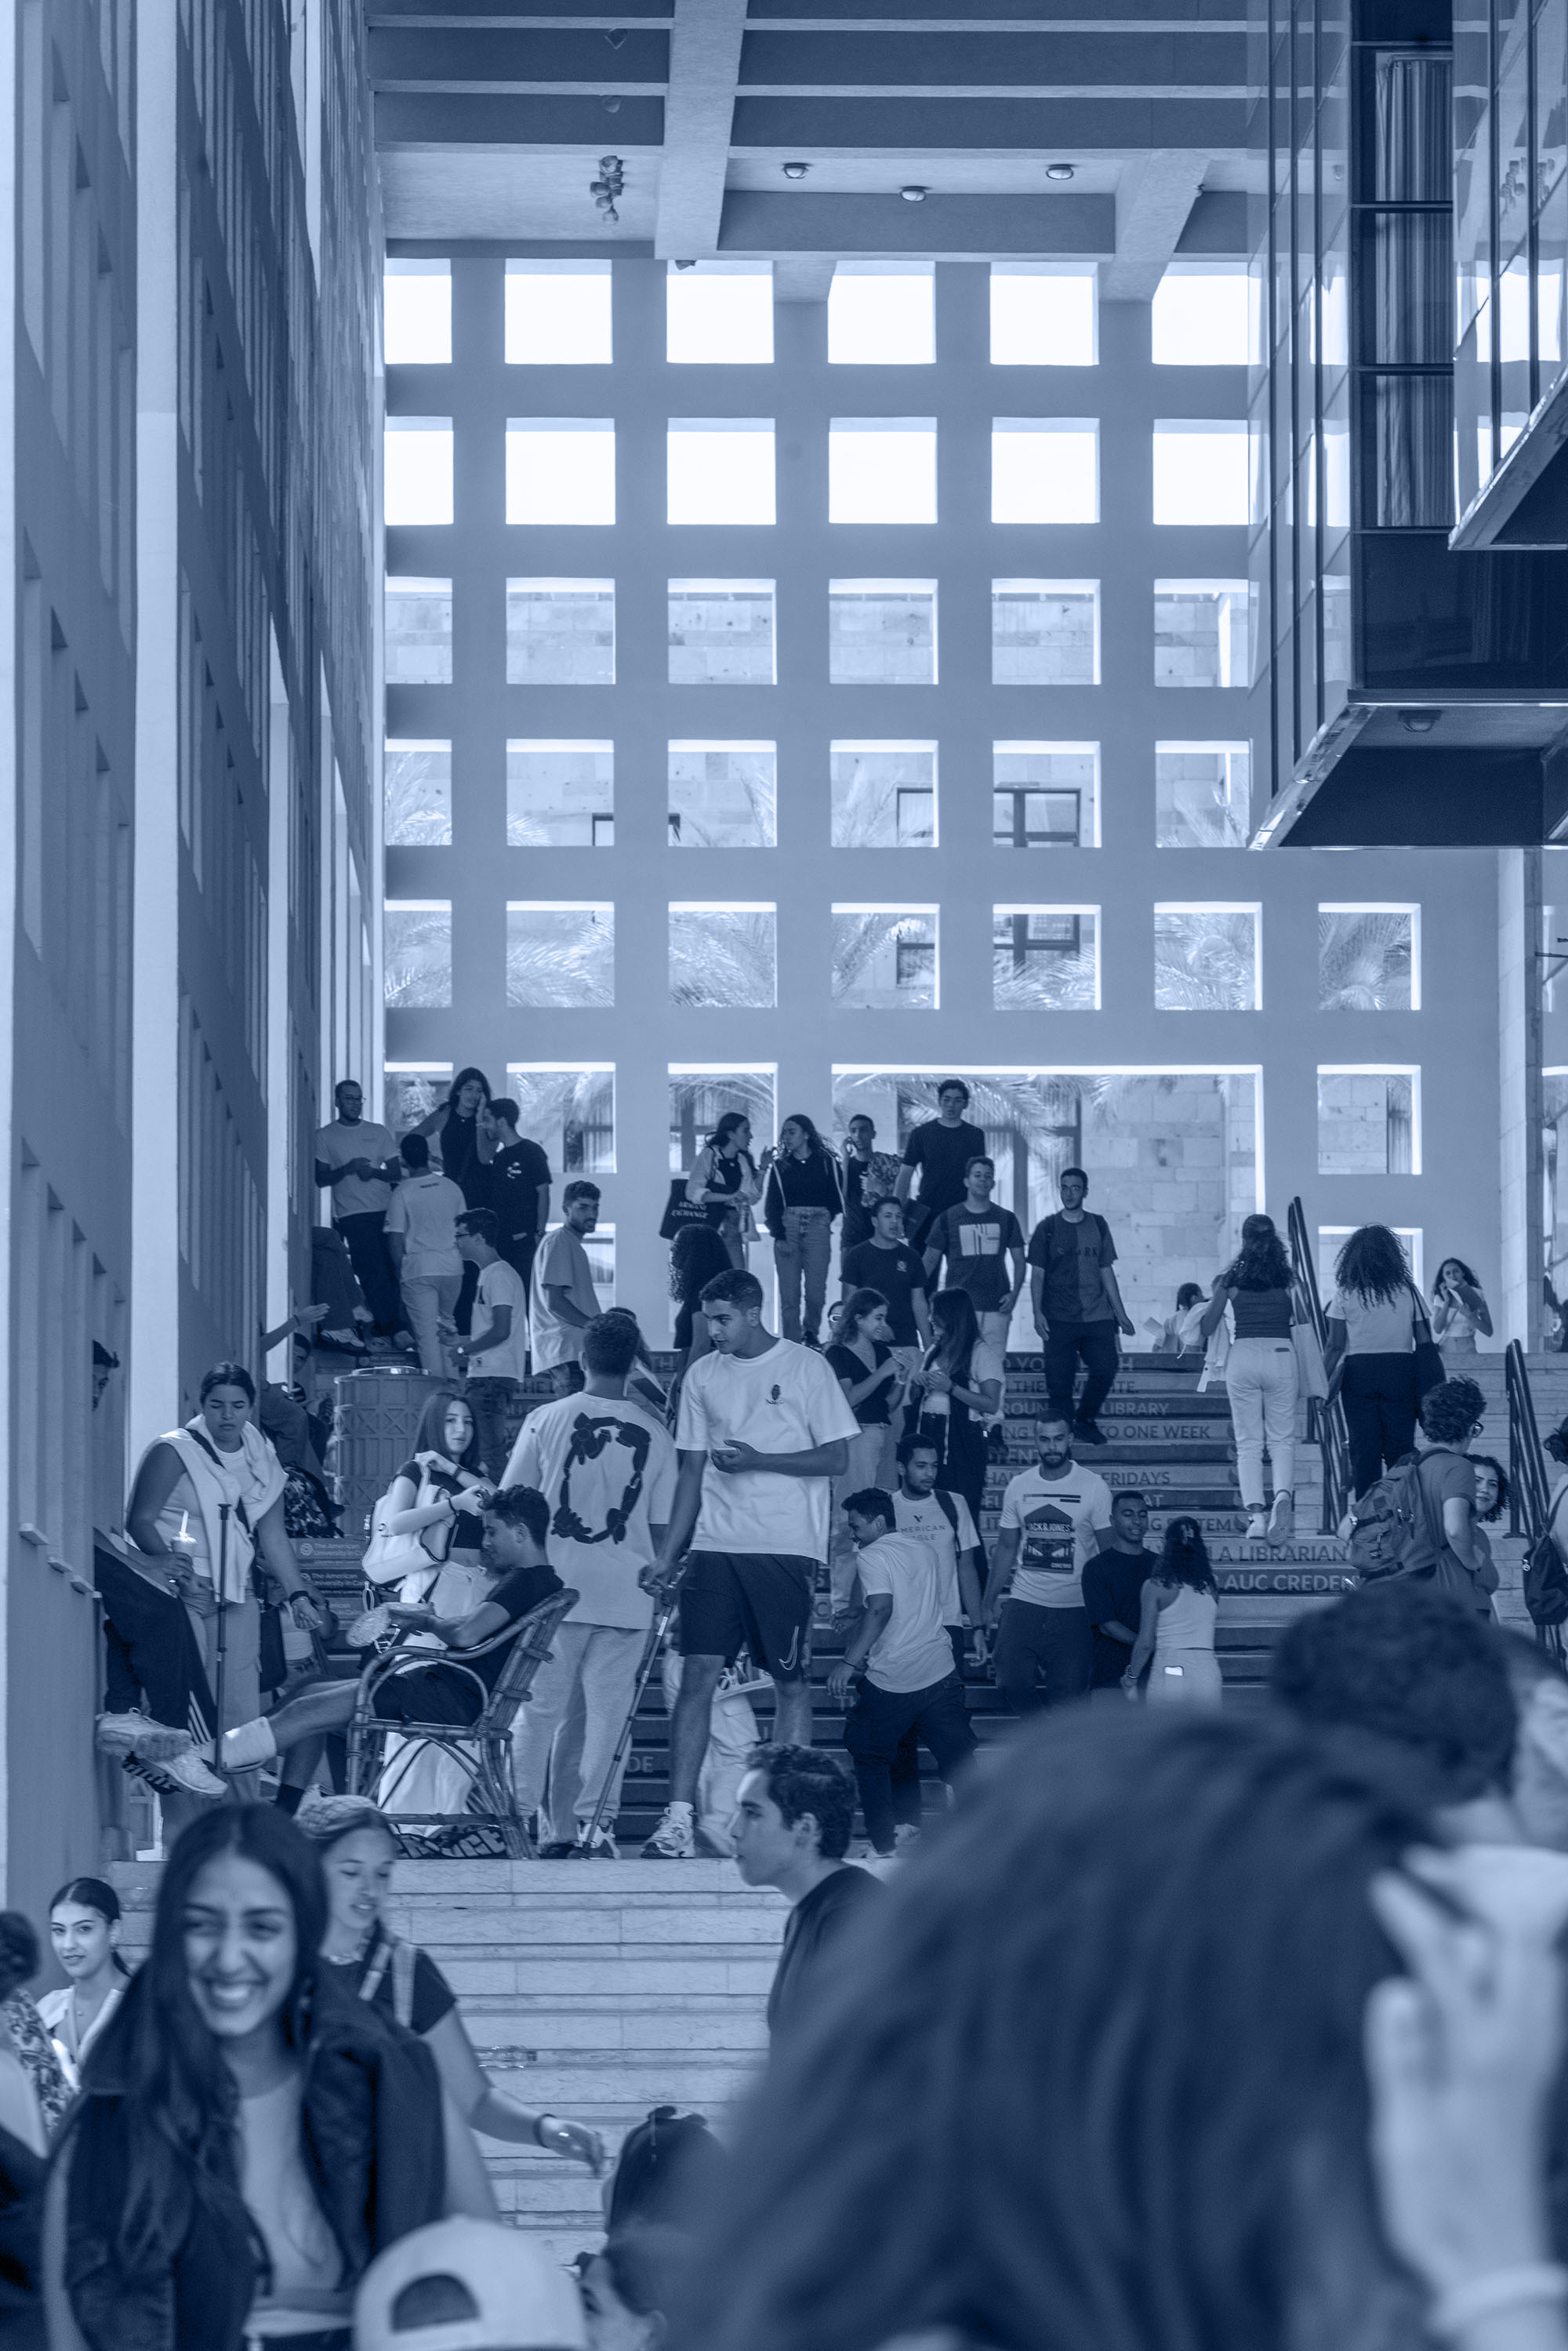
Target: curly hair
(810, 1780)
(1373, 1263)
(1449, 1412)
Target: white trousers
(565, 1735)
(1260, 1380)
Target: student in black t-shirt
(1114, 1592)
(941, 1149)
(792, 1822)
(517, 1185)
(891, 1264)
(516, 1523)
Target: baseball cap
(466, 2285)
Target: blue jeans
(801, 1258)
(880, 1719)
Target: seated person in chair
(521, 1577)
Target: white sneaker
(673, 1840)
(189, 1771)
(137, 1734)
(600, 1846)
(906, 1836)
(1282, 1519)
(1257, 1526)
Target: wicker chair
(484, 1747)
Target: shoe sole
(162, 1746)
(651, 1852)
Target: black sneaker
(560, 1850)
(1089, 1432)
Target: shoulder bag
(680, 1212)
(1430, 1371)
(388, 1556)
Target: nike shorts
(759, 1601)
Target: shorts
(428, 1694)
(759, 1601)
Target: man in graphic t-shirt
(1050, 1520)
(1078, 1308)
(870, 1175)
(940, 1150)
(763, 1431)
(976, 1238)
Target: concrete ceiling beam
(699, 109)
(1157, 194)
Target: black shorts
(761, 1601)
(432, 1693)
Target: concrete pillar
(1519, 1106)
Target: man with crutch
(607, 1468)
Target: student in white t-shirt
(763, 1431)
(562, 1301)
(1049, 1524)
(498, 1341)
(606, 1466)
(900, 1661)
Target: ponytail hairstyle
(1261, 1263)
(93, 1894)
(1185, 1557)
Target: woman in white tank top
(1175, 1632)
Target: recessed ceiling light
(914, 196)
(1058, 171)
(796, 171)
(686, 265)
(1418, 722)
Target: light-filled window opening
(718, 315)
(720, 469)
(700, 1095)
(560, 469)
(411, 1091)
(560, 632)
(560, 953)
(1203, 795)
(1369, 958)
(1202, 316)
(1201, 632)
(416, 314)
(723, 956)
(884, 795)
(882, 315)
(1045, 469)
(1045, 794)
(882, 469)
(882, 631)
(416, 787)
(884, 958)
(416, 469)
(1207, 959)
(723, 795)
(1045, 633)
(1043, 315)
(1200, 470)
(558, 314)
(1369, 1121)
(1045, 958)
(416, 953)
(569, 1110)
(418, 631)
(561, 795)
(722, 633)
(1332, 1239)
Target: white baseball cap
(467, 2285)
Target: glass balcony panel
(1412, 141)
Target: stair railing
(1529, 1482)
(1325, 1420)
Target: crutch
(656, 1632)
(218, 1591)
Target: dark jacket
(373, 2147)
(811, 1931)
(813, 1182)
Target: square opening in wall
(558, 314)
(411, 1091)
(720, 469)
(416, 469)
(561, 795)
(723, 795)
(882, 631)
(701, 1094)
(561, 953)
(884, 958)
(1369, 958)
(1043, 315)
(1369, 1121)
(1203, 795)
(418, 631)
(882, 469)
(560, 632)
(1207, 959)
(1045, 958)
(882, 315)
(416, 784)
(724, 955)
(721, 632)
(569, 1110)
(884, 795)
(416, 952)
(1045, 633)
(1201, 632)
(1045, 469)
(719, 314)
(416, 314)
(560, 470)
(1045, 794)
(1203, 316)
(1200, 470)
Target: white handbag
(389, 1556)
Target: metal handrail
(1530, 1484)
(1325, 1419)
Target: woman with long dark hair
(247, 2139)
(1179, 2150)
(1180, 1608)
(959, 1389)
(466, 1142)
(802, 1197)
(1259, 1288)
(1375, 1318)
(697, 1254)
(724, 1181)
(1459, 1308)
(84, 1927)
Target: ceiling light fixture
(686, 265)
(1418, 722)
(1059, 171)
(615, 39)
(796, 171)
(914, 196)
(612, 106)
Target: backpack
(1545, 1576)
(1392, 1534)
